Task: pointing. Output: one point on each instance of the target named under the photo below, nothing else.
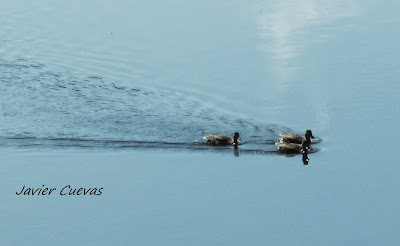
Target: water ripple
(41, 108)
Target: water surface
(120, 94)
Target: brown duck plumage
(222, 140)
(295, 138)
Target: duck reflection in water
(293, 148)
(305, 158)
(289, 149)
(236, 151)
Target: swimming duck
(295, 138)
(288, 148)
(222, 140)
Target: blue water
(120, 94)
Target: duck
(295, 138)
(290, 148)
(221, 140)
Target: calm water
(120, 94)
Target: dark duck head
(308, 135)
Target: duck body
(222, 140)
(296, 138)
(218, 140)
(292, 138)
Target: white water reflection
(294, 36)
(289, 28)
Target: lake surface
(118, 95)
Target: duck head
(308, 134)
(235, 138)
